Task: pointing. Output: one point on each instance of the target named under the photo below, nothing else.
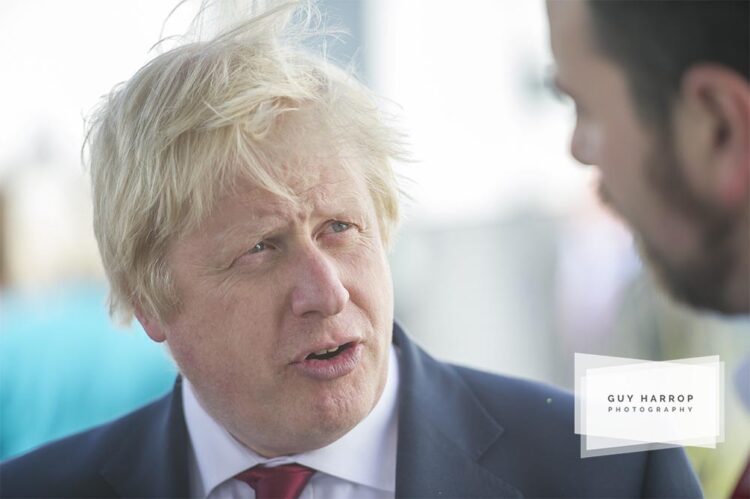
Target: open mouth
(329, 354)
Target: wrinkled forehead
(301, 151)
(300, 182)
(308, 170)
(248, 212)
(301, 160)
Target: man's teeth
(323, 352)
(327, 353)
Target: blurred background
(506, 261)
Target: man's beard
(703, 279)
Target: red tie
(280, 482)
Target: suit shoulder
(501, 393)
(538, 425)
(70, 466)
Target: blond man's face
(286, 310)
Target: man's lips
(329, 366)
(326, 346)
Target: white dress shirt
(361, 464)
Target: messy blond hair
(163, 145)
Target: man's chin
(303, 436)
(332, 415)
(698, 284)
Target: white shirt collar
(218, 456)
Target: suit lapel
(152, 459)
(443, 432)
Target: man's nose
(582, 144)
(318, 288)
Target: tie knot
(278, 482)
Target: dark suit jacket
(462, 433)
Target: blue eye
(257, 248)
(340, 226)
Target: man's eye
(257, 248)
(340, 226)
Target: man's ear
(153, 327)
(713, 134)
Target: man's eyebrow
(261, 225)
(252, 228)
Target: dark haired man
(662, 97)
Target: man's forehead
(249, 203)
(260, 204)
(293, 186)
(253, 213)
(569, 29)
(566, 13)
(579, 66)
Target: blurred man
(662, 96)
(663, 100)
(244, 202)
